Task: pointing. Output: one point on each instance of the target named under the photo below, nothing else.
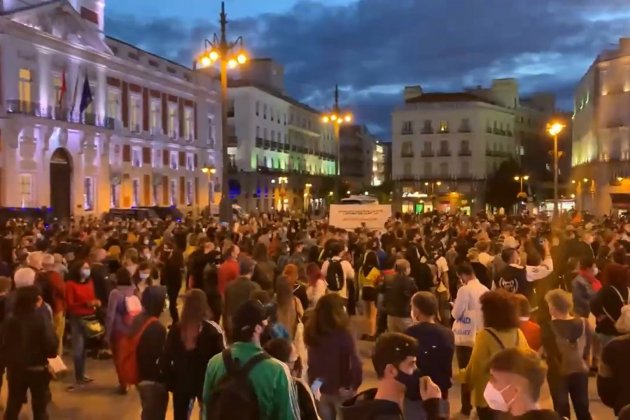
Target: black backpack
(335, 276)
(233, 396)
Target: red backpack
(126, 355)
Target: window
(88, 193)
(156, 161)
(156, 194)
(174, 161)
(427, 127)
(113, 103)
(265, 133)
(443, 169)
(273, 135)
(257, 132)
(172, 196)
(156, 116)
(24, 89)
(189, 192)
(444, 148)
(135, 113)
(188, 124)
(56, 91)
(26, 190)
(210, 132)
(135, 192)
(443, 126)
(172, 121)
(115, 195)
(407, 169)
(428, 169)
(136, 157)
(271, 113)
(407, 149)
(465, 169)
(115, 157)
(265, 111)
(464, 147)
(190, 161)
(257, 107)
(464, 126)
(406, 128)
(428, 146)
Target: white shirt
(348, 272)
(467, 303)
(315, 292)
(541, 271)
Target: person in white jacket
(539, 267)
(468, 321)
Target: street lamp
(229, 54)
(431, 187)
(554, 128)
(337, 118)
(521, 179)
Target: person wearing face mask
(516, 379)
(81, 304)
(513, 277)
(585, 286)
(394, 360)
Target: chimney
(412, 92)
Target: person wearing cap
(394, 360)
(270, 379)
(238, 292)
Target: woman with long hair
(289, 309)
(369, 274)
(81, 305)
(291, 273)
(332, 354)
(316, 284)
(190, 344)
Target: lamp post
(521, 179)
(431, 190)
(337, 118)
(554, 128)
(229, 54)
(210, 171)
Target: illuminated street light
(554, 128)
(521, 179)
(229, 54)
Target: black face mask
(407, 378)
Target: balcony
(443, 131)
(274, 145)
(259, 142)
(489, 130)
(58, 114)
(465, 152)
(230, 113)
(427, 130)
(406, 131)
(266, 144)
(443, 152)
(427, 153)
(406, 154)
(465, 129)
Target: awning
(620, 200)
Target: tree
(501, 190)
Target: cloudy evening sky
(372, 48)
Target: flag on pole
(74, 93)
(62, 89)
(86, 95)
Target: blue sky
(373, 48)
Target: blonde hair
(559, 300)
(402, 265)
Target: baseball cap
(250, 314)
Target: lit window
(172, 121)
(190, 162)
(156, 160)
(135, 113)
(173, 192)
(24, 90)
(443, 126)
(88, 194)
(26, 189)
(135, 192)
(188, 124)
(113, 103)
(189, 193)
(211, 132)
(56, 91)
(156, 116)
(136, 157)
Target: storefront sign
(352, 216)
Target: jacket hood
(363, 406)
(153, 300)
(570, 329)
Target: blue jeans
(78, 347)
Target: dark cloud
(372, 48)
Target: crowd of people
(265, 315)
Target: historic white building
(601, 133)
(444, 147)
(281, 153)
(90, 122)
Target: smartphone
(317, 384)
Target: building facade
(445, 145)
(362, 158)
(601, 133)
(282, 155)
(90, 123)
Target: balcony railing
(406, 154)
(427, 153)
(406, 131)
(465, 129)
(259, 142)
(465, 152)
(427, 130)
(59, 114)
(444, 153)
(267, 144)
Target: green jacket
(270, 380)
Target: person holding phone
(394, 360)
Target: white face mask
(595, 271)
(494, 398)
(144, 276)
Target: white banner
(351, 216)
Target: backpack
(129, 307)
(335, 276)
(233, 396)
(622, 324)
(126, 354)
(570, 353)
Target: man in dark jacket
(394, 361)
(238, 292)
(28, 340)
(153, 393)
(397, 293)
(613, 380)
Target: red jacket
(77, 297)
(59, 292)
(228, 271)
